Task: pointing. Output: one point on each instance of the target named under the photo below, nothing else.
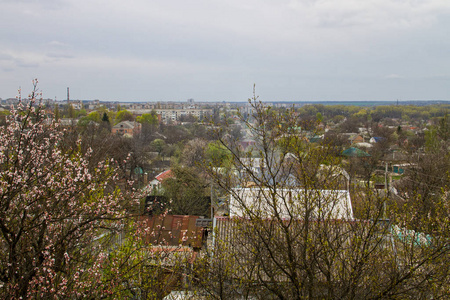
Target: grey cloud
(4, 56)
(45, 4)
(393, 76)
(57, 44)
(438, 77)
(347, 48)
(59, 55)
(27, 64)
(25, 60)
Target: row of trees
(337, 113)
(103, 114)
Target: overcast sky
(211, 50)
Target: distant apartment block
(173, 115)
(93, 104)
(176, 114)
(77, 104)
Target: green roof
(354, 152)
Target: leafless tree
(292, 234)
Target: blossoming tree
(56, 214)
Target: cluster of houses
(196, 236)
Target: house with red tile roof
(155, 184)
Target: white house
(291, 203)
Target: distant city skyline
(296, 50)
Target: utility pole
(385, 187)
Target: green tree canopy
(150, 119)
(187, 193)
(124, 115)
(218, 155)
(105, 117)
(56, 113)
(93, 116)
(158, 145)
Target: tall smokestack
(68, 98)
